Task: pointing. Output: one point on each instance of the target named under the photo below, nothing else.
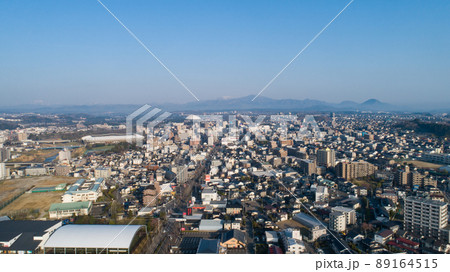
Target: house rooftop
(237, 234)
(385, 233)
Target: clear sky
(74, 52)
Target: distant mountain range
(261, 103)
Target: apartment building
(308, 167)
(326, 157)
(337, 222)
(102, 172)
(428, 218)
(351, 170)
(349, 213)
(5, 154)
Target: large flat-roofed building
(96, 239)
(25, 236)
(83, 190)
(36, 171)
(65, 210)
(112, 139)
(426, 217)
(315, 228)
(436, 158)
(210, 225)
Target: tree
(162, 215)
(355, 248)
(391, 214)
(366, 227)
(255, 225)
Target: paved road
(161, 242)
(169, 234)
(249, 236)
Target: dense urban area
(225, 183)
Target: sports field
(39, 203)
(425, 165)
(11, 187)
(33, 201)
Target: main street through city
(169, 233)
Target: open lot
(78, 152)
(290, 224)
(11, 187)
(99, 148)
(33, 201)
(425, 165)
(37, 156)
(33, 205)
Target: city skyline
(77, 54)
(169, 128)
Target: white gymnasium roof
(93, 236)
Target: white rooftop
(93, 236)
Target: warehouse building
(25, 236)
(96, 239)
(315, 228)
(210, 225)
(112, 139)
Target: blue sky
(74, 52)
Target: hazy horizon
(438, 104)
